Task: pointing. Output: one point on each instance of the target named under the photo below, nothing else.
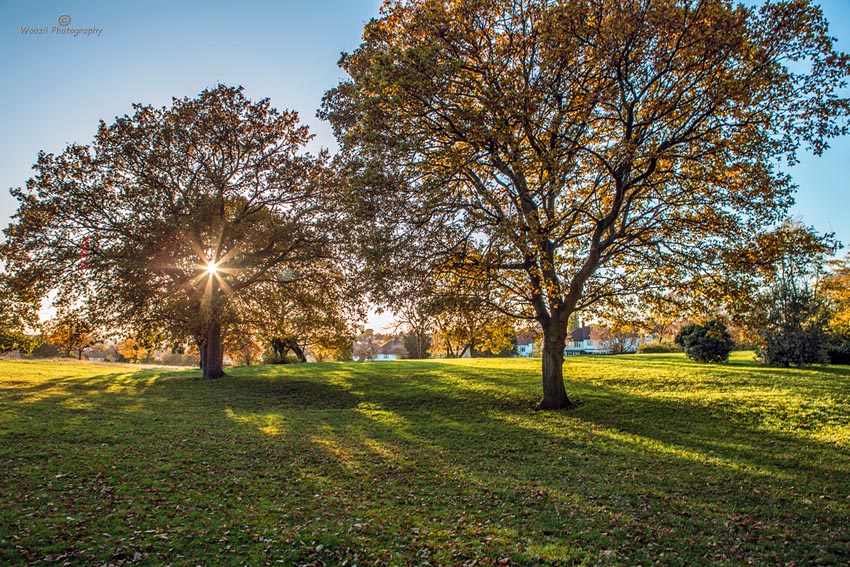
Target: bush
(706, 343)
(794, 331)
(271, 357)
(838, 350)
(658, 347)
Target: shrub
(706, 343)
(838, 349)
(794, 329)
(658, 347)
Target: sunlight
(212, 270)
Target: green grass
(665, 462)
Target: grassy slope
(417, 463)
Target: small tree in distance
(416, 344)
(131, 350)
(790, 316)
(71, 332)
(706, 343)
(794, 330)
(836, 288)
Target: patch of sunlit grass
(432, 462)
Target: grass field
(665, 462)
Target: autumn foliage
(572, 153)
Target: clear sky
(57, 87)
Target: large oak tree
(578, 150)
(172, 214)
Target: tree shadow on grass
(438, 463)
(721, 430)
(419, 387)
(630, 462)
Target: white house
(390, 350)
(525, 344)
(580, 342)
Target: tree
(617, 339)
(313, 309)
(367, 346)
(338, 346)
(71, 331)
(450, 315)
(836, 287)
(417, 344)
(710, 342)
(794, 329)
(243, 345)
(789, 316)
(836, 290)
(173, 214)
(130, 349)
(282, 348)
(17, 317)
(577, 151)
(465, 319)
(414, 316)
(470, 327)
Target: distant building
(391, 350)
(107, 354)
(378, 347)
(579, 342)
(525, 344)
(599, 340)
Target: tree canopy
(836, 286)
(17, 320)
(172, 216)
(574, 152)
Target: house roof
(581, 334)
(390, 346)
(525, 338)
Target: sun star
(212, 267)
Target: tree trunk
(554, 341)
(212, 353)
(423, 348)
(296, 349)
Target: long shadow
(692, 426)
(722, 466)
(719, 430)
(441, 464)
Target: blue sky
(56, 88)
